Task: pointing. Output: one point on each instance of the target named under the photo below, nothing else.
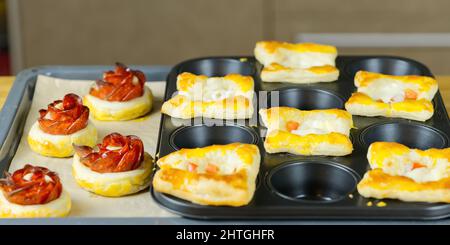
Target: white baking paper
(84, 203)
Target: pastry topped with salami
(301, 132)
(392, 96)
(218, 175)
(63, 123)
(33, 192)
(120, 95)
(296, 62)
(411, 175)
(116, 167)
(227, 97)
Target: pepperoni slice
(122, 84)
(65, 116)
(117, 153)
(31, 185)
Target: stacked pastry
(120, 95)
(212, 175)
(393, 96)
(228, 97)
(63, 123)
(119, 166)
(315, 132)
(296, 63)
(33, 192)
(410, 175)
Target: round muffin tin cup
(202, 135)
(312, 181)
(305, 98)
(386, 65)
(413, 135)
(218, 67)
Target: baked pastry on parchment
(392, 96)
(411, 175)
(296, 63)
(120, 95)
(33, 192)
(119, 166)
(63, 123)
(228, 97)
(212, 175)
(315, 132)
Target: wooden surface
(444, 87)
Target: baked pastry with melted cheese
(315, 132)
(228, 97)
(296, 63)
(392, 96)
(118, 167)
(411, 175)
(213, 175)
(33, 192)
(121, 95)
(62, 124)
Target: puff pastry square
(411, 175)
(392, 96)
(296, 63)
(228, 97)
(315, 132)
(213, 175)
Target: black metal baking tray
(305, 187)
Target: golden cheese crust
(399, 172)
(377, 184)
(392, 96)
(231, 182)
(363, 105)
(319, 132)
(296, 63)
(228, 97)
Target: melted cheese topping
(228, 159)
(398, 160)
(273, 46)
(310, 122)
(419, 83)
(202, 88)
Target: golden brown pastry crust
(232, 185)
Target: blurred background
(165, 32)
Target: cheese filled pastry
(296, 63)
(228, 97)
(63, 123)
(406, 97)
(213, 175)
(119, 166)
(120, 95)
(300, 132)
(33, 192)
(411, 175)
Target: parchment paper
(84, 203)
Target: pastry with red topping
(33, 192)
(118, 166)
(63, 123)
(120, 95)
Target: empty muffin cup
(305, 98)
(203, 135)
(413, 135)
(312, 181)
(217, 67)
(386, 65)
